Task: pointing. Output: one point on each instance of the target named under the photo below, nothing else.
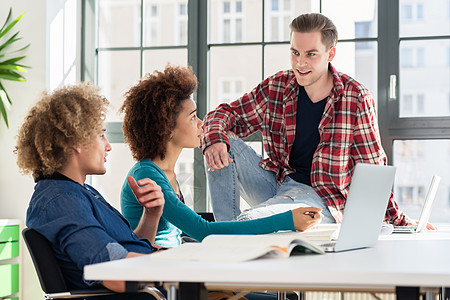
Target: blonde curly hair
(70, 116)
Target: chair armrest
(79, 294)
(149, 288)
(153, 291)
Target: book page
(282, 239)
(205, 252)
(241, 247)
(327, 232)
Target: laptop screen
(426, 211)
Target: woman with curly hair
(159, 122)
(62, 141)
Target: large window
(399, 49)
(62, 45)
(132, 38)
(416, 110)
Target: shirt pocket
(335, 145)
(275, 132)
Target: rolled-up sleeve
(116, 251)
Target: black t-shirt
(307, 136)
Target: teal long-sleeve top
(178, 217)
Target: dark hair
(151, 109)
(313, 22)
(70, 116)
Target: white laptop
(426, 210)
(364, 211)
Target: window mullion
(388, 58)
(198, 59)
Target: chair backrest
(45, 262)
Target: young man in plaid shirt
(316, 125)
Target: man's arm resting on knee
(216, 156)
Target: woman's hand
(306, 217)
(148, 194)
(160, 248)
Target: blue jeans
(258, 187)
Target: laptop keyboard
(405, 227)
(327, 245)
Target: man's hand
(415, 223)
(306, 217)
(431, 226)
(217, 157)
(148, 194)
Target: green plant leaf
(11, 75)
(4, 113)
(10, 68)
(7, 29)
(4, 94)
(13, 60)
(3, 107)
(23, 48)
(11, 40)
(15, 67)
(7, 18)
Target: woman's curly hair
(70, 116)
(151, 108)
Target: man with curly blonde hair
(61, 142)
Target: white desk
(411, 261)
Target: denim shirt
(81, 226)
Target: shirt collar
(338, 87)
(54, 176)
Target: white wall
(16, 189)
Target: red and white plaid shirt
(348, 134)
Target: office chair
(51, 278)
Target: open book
(243, 247)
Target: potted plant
(10, 69)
